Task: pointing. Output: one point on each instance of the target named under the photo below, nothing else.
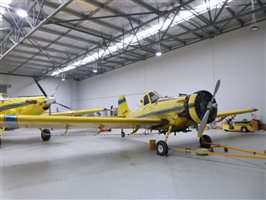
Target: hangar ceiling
(78, 39)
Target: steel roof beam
(234, 15)
(58, 33)
(111, 10)
(152, 9)
(31, 52)
(135, 28)
(79, 15)
(36, 28)
(264, 8)
(85, 30)
(88, 18)
(58, 43)
(261, 5)
(25, 58)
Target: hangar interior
(102, 50)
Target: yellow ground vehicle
(238, 126)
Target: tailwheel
(123, 134)
(46, 134)
(205, 141)
(162, 148)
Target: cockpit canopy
(150, 97)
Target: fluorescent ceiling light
(133, 39)
(158, 53)
(22, 13)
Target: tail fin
(123, 109)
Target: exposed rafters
(62, 33)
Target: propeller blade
(40, 87)
(216, 89)
(64, 106)
(203, 123)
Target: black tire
(162, 148)
(123, 134)
(0, 142)
(225, 149)
(46, 134)
(244, 129)
(205, 141)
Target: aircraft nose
(50, 100)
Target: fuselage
(24, 105)
(179, 112)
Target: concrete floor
(83, 166)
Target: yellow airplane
(165, 114)
(35, 105)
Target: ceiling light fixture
(22, 13)
(158, 46)
(254, 26)
(95, 68)
(63, 77)
(158, 53)
(134, 39)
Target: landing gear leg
(123, 133)
(45, 134)
(161, 146)
(205, 141)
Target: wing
(223, 115)
(40, 121)
(77, 112)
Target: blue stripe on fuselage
(10, 106)
(11, 121)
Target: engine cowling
(197, 106)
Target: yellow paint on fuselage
(23, 106)
(164, 109)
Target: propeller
(40, 87)
(64, 106)
(50, 98)
(210, 105)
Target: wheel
(0, 142)
(225, 149)
(205, 141)
(162, 148)
(244, 129)
(123, 134)
(46, 134)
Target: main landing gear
(45, 134)
(205, 141)
(123, 133)
(162, 147)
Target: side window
(153, 97)
(146, 100)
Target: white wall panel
(237, 58)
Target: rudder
(123, 109)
